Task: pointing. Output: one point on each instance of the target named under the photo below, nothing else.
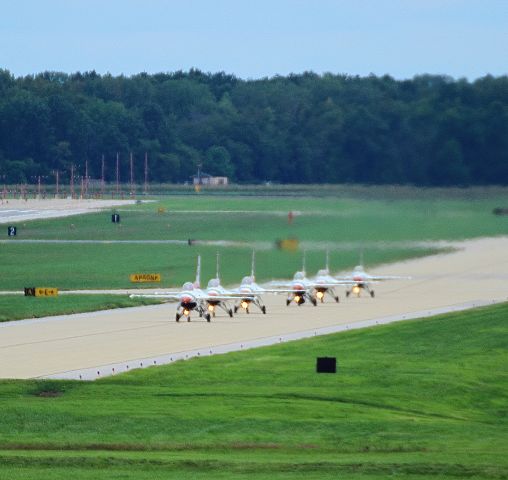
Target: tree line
(305, 128)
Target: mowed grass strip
(16, 307)
(423, 398)
(108, 266)
(266, 219)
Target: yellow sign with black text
(145, 277)
(46, 292)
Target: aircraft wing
(220, 298)
(276, 291)
(159, 295)
(382, 278)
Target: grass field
(19, 307)
(421, 399)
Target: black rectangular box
(326, 365)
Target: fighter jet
(191, 298)
(324, 283)
(251, 293)
(303, 289)
(360, 280)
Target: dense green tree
(430, 130)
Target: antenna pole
(146, 172)
(117, 173)
(86, 177)
(72, 181)
(132, 175)
(327, 266)
(102, 176)
(217, 266)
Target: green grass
(423, 399)
(108, 266)
(265, 219)
(16, 307)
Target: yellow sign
(290, 244)
(46, 292)
(145, 277)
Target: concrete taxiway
(95, 344)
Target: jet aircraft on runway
(193, 298)
(360, 280)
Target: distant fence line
(130, 191)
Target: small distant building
(205, 179)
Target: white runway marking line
(101, 371)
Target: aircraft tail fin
(217, 266)
(327, 263)
(253, 266)
(197, 283)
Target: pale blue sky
(257, 38)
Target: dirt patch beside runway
(43, 347)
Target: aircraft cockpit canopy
(299, 276)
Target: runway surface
(13, 210)
(84, 344)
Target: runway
(84, 344)
(16, 210)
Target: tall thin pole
(57, 174)
(39, 185)
(117, 173)
(146, 172)
(86, 177)
(72, 181)
(102, 175)
(132, 174)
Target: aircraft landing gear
(188, 318)
(208, 317)
(263, 309)
(347, 293)
(230, 313)
(372, 293)
(314, 302)
(288, 301)
(178, 317)
(336, 299)
(236, 309)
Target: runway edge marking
(100, 371)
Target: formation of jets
(206, 302)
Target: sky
(256, 38)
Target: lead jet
(360, 280)
(190, 298)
